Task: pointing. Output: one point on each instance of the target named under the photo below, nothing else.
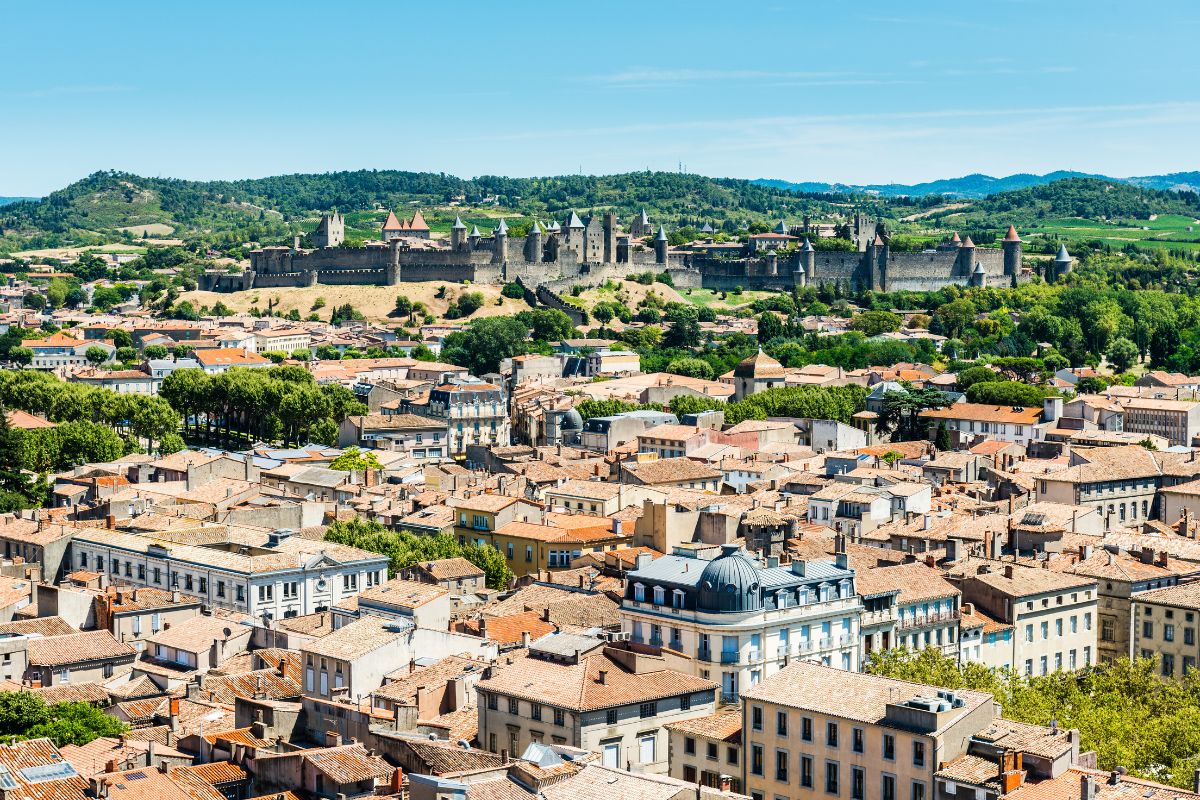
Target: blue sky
(856, 92)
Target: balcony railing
(656, 641)
(927, 619)
(729, 657)
(704, 654)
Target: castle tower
(1012, 252)
(574, 237)
(458, 234)
(808, 257)
(392, 228)
(1062, 262)
(392, 271)
(966, 257)
(331, 231)
(610, 238)
(807, 224)
(772, 262)
(781, 228)
(660, 246)
(533, 244)
(979, 276)
(955, 241)
(500, 236)
(874, 249)
(473, 238)
(641, 226)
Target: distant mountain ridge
(6, 200)
(977, 185)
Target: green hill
(221, 213)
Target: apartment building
(1164, 627)
(708, 750)
(1053, 614)
(1122, 483)
(246, 570)
(413, 436)
(910, 606)
(739, 621)
(579, 691)
(282, 340)
(1176, 420)
(91, 656)
(810, 731)
(969, 421)
(474, 414)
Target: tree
(942, 440)
(34, 301)
(684, 332)
(873, 323)
(513, 290)
(355, 460)
(485, 343)
(75, 723)
(154, 351)
(184, 310)
(546, 324)
(954, 318)
(119, 337)
(1122, 354)
(22, 356)
(973, 375)
(770, 326)
(692, 368)
(1007, 393)
(403, 306)
(902, 410)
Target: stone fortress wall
(589, 253)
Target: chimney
(173, 711)
(616, 527)
(1147, 555)
(545, 614)
(725, 781)
(110, 522)
(525, 637)
(603, 677)
(1008, 570)
(332, 739)
(1162, 558)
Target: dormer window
(639, 592)
(660, 596)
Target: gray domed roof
(730, 582)
(571, 421)
(1063, 255)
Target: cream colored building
(708, 750)
(1053, 614)
(579, 691)
(282, 340)
(1164, 627)
(810, 731)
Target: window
(806, 733)
(1168, 664)
(1189, 636)
(685, 702)
(888, 788)
(493, 702)
(918, 790)
(689, 773)
(290, 590)
(204, 586)
(756, 759)
(1108, 630)
(756, 718)
(831, 734)
(647, 710)
(83, 558)
(806, 772)
(510, 551)
(857, 740)
(241, 593)
(731, 755)
(559, 717)
(266, 593)
(1029, 632)
(918, 753)
(157, 573)
(1168, 632)
(610, 717)
(1147, 629)
(889, 747)
(781, 723)
(529, 552)
(781, 766)
(535, 711)
(141, 572)
(514, 706)
(831, 777)
(858, 780)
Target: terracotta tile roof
(971, 770)
(1067, 787)
(73, 693)
(671, 470)
(849, 695)
(442, 757)
(509, 629)
(44, 626)
(402, 594)
(362, 636)
(985, 413)
(229, 357)
(347, 763)
(460, 725)
(402, 685)
(725, 726)
(972, 617)
(39, 753)
(26, 421)
(446, 569)
(77, 648)
(265, 683)
(1025, 581)
(577, 687)
(916, 582)
(215, 772)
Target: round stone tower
(1012, 252)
